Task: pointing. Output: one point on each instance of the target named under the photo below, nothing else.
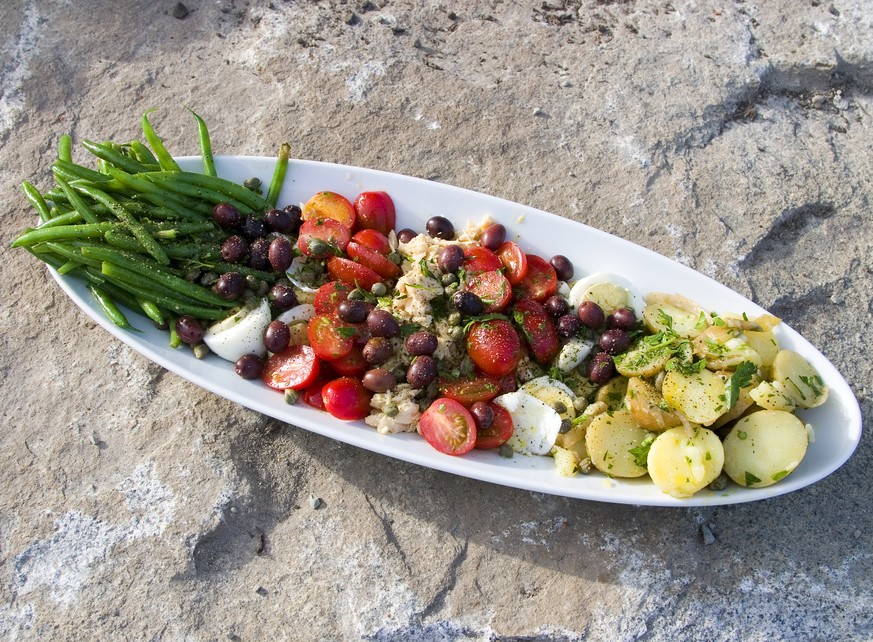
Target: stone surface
(732, 136)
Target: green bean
(135, 227)
(76, 201)
(65, 148)
(164, 158)
(133, 283)
(158, 196)
(62, 219)
(224, 186)
(106, 153)
(205, 145)
(175, 341)
(71, 253)
(278, 175)
(68, 267)
(62, 232)
(36, 200)
(152, 311)
(173, 250)
(245, 271)
(110, 308)
(190, 227)
(204, 193)
(155, 272)
(80, 171)
(143, 154)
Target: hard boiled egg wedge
(609, 291)
(242, 333)
(300, 274)
(535, 423)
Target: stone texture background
(732, 136)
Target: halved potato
(799, 379)
(612, 393)
(724, 348)
(646, 406)
(609, 440)
(680, 465)
(764, 447)
(771, 395)
(699, 396)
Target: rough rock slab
(732, 136)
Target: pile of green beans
(134, 228)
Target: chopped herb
(741, 378)
(665, 319)
(742, 434)
(751, 479)
(777, 476)
(701, 322)
(641, 453)
(482, 318)
(814, 382)
(424, 269)
(347, 331)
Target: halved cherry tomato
(493, 288)
(448, 427)
(375, 210)
(295, 367)
(373, 239)
(500, 430)
(346, 398)
(541, 280)
(330, 337)
(330, 205)
(330, 295)
(351, 365)
(312, 393)
(538, 328)
(373, 260)
(335, 234)
(354, 274)
(468, 390)
(514, 260)
(494, 347)
(478, 259)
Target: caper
(454, 318)
(466, 366)
(506, 451)
(580, 404)
(456, 332)
(356, 295)
(200, 350)
(379, 289)
(449, 279)
(720, 482)
(253, 183)
(560, 407)
(451, 289)
(291, 396)
(317, 247)
(566, 424)
(395, 257)
(391, 410)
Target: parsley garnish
(641, 453)
(751, 479)
(481, 318)
(347, 331)
(741, 378)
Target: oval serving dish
(837, 423)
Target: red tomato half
(541, 280)
(351, 365)
(478, 259)
(329, 296)
(500, 430)
(448, 427)
(494, 347)
(373, 239)
(375, 210)
(469, 390)
(538, 328)
(493, 288)
(295, 367)
(373, 260)
(330, 205)
(329, 337)
(312, 392)
(354, 274)
(335, 234)
(346, 398)
(514, 260)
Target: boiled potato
(645, 406)
(724, 348)
(700, 396)
(771, 395)
(609, 440)
(642, 360)
(612, 393)
(765, 344)
(743, 403)
(566, 461)
(799, 379)
(684, 320)
(764, 447)
(681, 464)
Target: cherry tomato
(295, 367)
(346, 398)
(330, 205)
(335, 236)
(478, 259)
(329, 337)
(312, 393)
(330, 295)
(354, 274)
(538, 329)
(468, 390)
(494, 347)
(493, 288)
(373, 260)
(375, 210)
(514, 260)
(351, 365)
(541, 280)
(373, 239)
(500, 430)
(448, 427)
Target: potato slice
(643, 359)
(680, 465)
(663, 316)
(700, 396)
(566, 461)
(609, 440)
(764, 447)
(765, 344)
(724, 348)
(771, 395)
(645, 406)
(612, 393)
(799, 379)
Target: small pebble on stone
(315, 502)
(180, 11)
(261, 590)
(708, 536)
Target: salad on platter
(460, 334)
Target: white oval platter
(837, 423)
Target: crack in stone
(451, 578)
(390, 535)
(783, 232)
